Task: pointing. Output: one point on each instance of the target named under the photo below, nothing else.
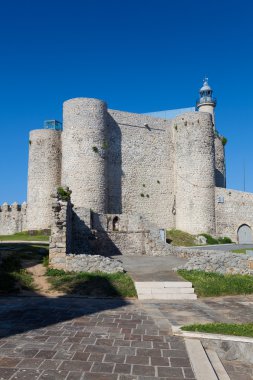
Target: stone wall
(216, 261)
(232, 209)
(44, 175)
(194, 173)
(12, 218)
(140, 167)
(220, 165)
(66, 227)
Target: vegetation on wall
(95, 149)
(64, 193)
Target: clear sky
(139, 56)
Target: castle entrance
(245, 235)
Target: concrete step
(164, 284)
(167, 296)
(165, 290)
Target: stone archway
(244, 234)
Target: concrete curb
(199, 360)
(198, 335)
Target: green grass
(12, 276)
(240, 250)
(243, 329)
(92, 284)
(180, 238)
(215, 284)
(25, 236)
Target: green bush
(224, 240)
(64, 193)
(210, 240)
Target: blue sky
(139, 56)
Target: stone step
(165, 290)
(166, 296)
(164, 284)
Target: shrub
(210, 240)
(142, 195)
(224, 240)
(95, 149)
(224, 140)
(64, 193)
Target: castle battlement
(12, 218)
(5, 207)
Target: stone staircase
(165, 290)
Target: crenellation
(12, 218)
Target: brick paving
(77, 338)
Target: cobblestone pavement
(238, 370)
(236, 309)
(77, 338)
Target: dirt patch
(41, 283)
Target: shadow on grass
(23, 314)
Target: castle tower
(44, 175)
(206, 101)
(84, 141)
(194, 173)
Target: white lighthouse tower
(206, 101)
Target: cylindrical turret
(206, 101)
(195, 173)
(44, 175)
(84, 143)
(220, 169)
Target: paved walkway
(149, 268)
(236, 309)
(77, 338)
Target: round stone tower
(206, 101)
(84, 143)
(194, 173)
(44, 175)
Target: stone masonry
(101, 235)
(169, 172)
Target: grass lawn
(215, 284)
(244, 329)
(240, 250)
(12, 276)
(25, 236)
(180, 238)
(92, 284)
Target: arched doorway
(245, 235)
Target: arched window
(115, 224)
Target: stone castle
(169, 171)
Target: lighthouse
(206, 101)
